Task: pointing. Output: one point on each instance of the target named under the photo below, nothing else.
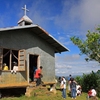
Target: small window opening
(6, 57)
(9, 56)
(26, 23)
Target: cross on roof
(25, 10)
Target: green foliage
(88, 80)
(79, 80)
(98, 82)
(98, 89)
(89, 47)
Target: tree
(90, 46)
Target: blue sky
(62, 19)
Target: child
(79, 90)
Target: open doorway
(33, 65)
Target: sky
(62, 19)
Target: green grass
(45, 94)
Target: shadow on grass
(69, 94)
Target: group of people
(71, 86)
(37, 72)
(14, 68)
(74, 88)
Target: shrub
(98, 87)
(79, 80)
(90, 80)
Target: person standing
(73, 88)
(63, 87)
(70, 76)
(69, 80)
(38, 75)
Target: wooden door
(21, 60)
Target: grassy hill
(43, 93)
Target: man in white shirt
(63, 87)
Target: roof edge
(59, 42)
(17, 27)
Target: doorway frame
(37, 60)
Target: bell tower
(25, 20)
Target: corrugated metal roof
(43, 34)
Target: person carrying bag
(63, 87)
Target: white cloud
(71, 19)
(75, 65)
(90, 15)
(83, 14)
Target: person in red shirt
(38, 75)
(92, 92)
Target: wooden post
(10, 59)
